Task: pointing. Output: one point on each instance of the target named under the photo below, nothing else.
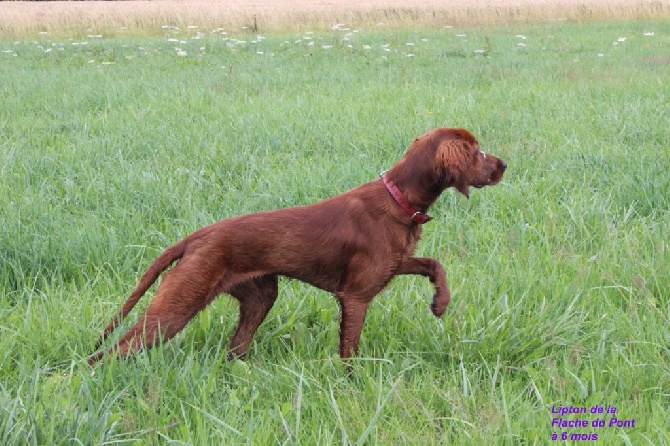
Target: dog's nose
(503, 165)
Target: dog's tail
(163, 262)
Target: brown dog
(351, 245)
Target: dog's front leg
(353, 316)
(434, 270)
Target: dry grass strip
(147, 17)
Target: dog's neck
(421, 189)
(417, 217)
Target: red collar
(416, 216)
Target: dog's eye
(483, 154)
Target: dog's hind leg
(161, 322)
(184, 291)
(256, 297)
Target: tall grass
(112, 149)
(26, 19)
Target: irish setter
(351, 245)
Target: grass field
(111, 149)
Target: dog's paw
(439, 304)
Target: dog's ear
(453, 160)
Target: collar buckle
(421, 217)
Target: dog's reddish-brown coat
(351, 245)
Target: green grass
(113, 149)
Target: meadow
(111, 149)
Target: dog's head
(460, 163)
